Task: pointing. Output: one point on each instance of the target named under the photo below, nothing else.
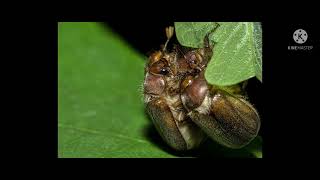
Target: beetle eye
(164, 71)
(160, 67)
(192, 59)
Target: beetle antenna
(169, 34)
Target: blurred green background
(100, 100)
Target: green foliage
(191, 34)
(237, 53)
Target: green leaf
(100, 106)
(101, 112)
(237, 54)
(191, 34)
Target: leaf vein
(92, 131)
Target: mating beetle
(185, 109)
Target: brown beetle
(185, 109)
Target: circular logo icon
(300, 36)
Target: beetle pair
(185, 109)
